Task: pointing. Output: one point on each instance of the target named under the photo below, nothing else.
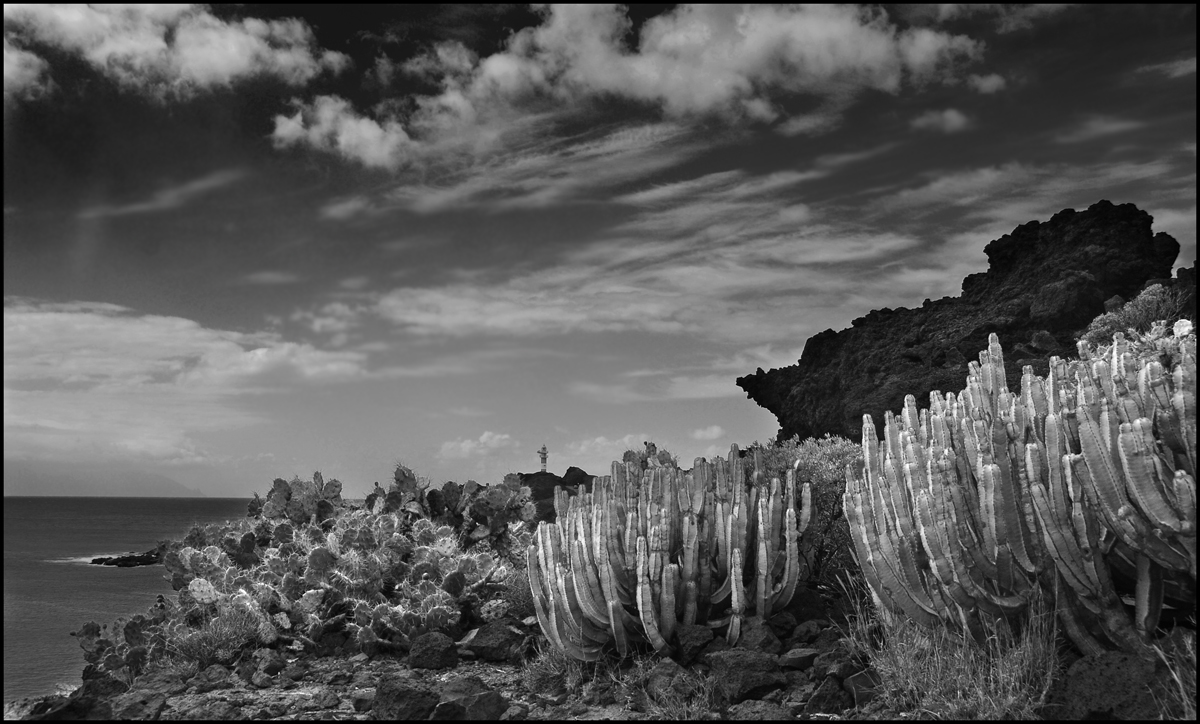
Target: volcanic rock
(1045, 282)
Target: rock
(783, 624)
(516, 712)
(496, 641)
(211, 679)
(1110, 685)
(541, 486)
(798, 659)
(402, 698)
(664, 681)
(361, 699)
(758, 711)
(1045, 277)
(758, 636)
(808, 631)
(433, 650)
(863, 686)
(131, 560)
(743, 674)
(829, 698)
(690, 641)
(833, 663)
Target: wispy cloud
(25, 74)
(86, 378)
(992, 83)
(1171, 69)
(171, 50)
(272, 277)
(1098, 127)
(171, 197)
(947, 121)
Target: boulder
(798, 659)
(664, 682)
(433, 650)
(758, 636)
(496, 641)
(403, 698)
(1109, 685)
(743, 674)
(467, 698)
(1044, 283)
(690, 640)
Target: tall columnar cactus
(964, 507)
(646, 551)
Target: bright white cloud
(693, 61)
(991, 83)
(171, 197)
(25, 74)
(712, 432)
(86, 378)
(173, 50)
(947, 121)
(488, 443)
(1098, 127)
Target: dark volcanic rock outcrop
(542, 484)
(1045, 282)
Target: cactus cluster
(299, 501)
(1077, 482)
(646, 551)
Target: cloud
(947, 121)
(1098, 127)
(172, 197)
(712, 432)
(90, 378)
(1172, 69)
(692, 62)
(987, 83)
(171, 50)
(343, 209)
(601, 451)
(488, 443)
(272, 277)
(1009, 17)
(25, 74)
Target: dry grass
(217, 640)
(935, 673)
(1180, 660)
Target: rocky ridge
(1045, 282)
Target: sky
(252, 242)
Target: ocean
(51, 590)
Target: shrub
(217, 640)
(826, 545)
(518, 594)
(642, 457)
(1156, 303)
(940, 674)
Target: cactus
(1088, 470)
(650, 549)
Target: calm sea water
(50, 590)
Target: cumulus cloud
(170, 50)
(991, 83)
(603, 450)
(87, 377)
(25, 74)
(171, 197)
(488, 443)
(712, 432)
(947, 121)
(704, 60)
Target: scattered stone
(743, 674)
(1109, 685)
(139, 704)
(758, 636)
(361, 699)
(808, 631)
(798, 659)
(496, 641)
(783, 624)
(402, 698)
(664, 680)
(829, 698)
(468, 698)
(690, 641)
(758, 710)
(433, 650)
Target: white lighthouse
(543, 453)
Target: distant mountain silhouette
(55, 478)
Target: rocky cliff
(1045, 281)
